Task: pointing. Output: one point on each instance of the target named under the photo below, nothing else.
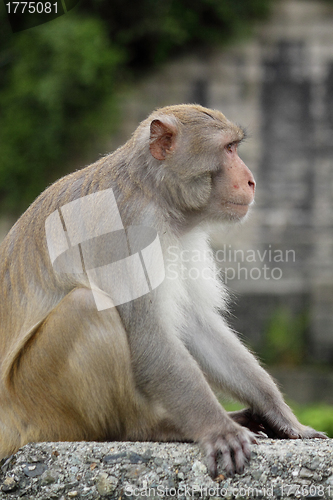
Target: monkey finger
(253, 439)
(246, 446)
(261, 434)
(227, 459)
(290, 435)
(210, 453)
(236, 451)
(285, 433)
(312, 433)
(320, 435)
(239, 457)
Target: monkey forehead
(197, 119)
(189, 114)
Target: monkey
(85, 358)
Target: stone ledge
(278, 469)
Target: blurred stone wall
(279, 86)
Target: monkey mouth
(237, 210)
(236, 204)
(239, 204)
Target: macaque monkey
(83, 362)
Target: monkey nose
(252, 184)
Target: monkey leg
(73, 380)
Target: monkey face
(233, 186)
(202, 172)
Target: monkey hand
(233, 443)
(274, 427)
(292, 431)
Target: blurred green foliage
(285, 338)
(59, 81)
(319, 416)
(52, 96)
(153, 30)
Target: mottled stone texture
(278, 469)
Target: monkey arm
(227, 363)
(165, 372)
(168, 376)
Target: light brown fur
(139, 371)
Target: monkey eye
(230, 147)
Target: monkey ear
(162, 139)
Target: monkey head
(195, 163)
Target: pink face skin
(233, 185)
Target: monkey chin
(235, 212)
